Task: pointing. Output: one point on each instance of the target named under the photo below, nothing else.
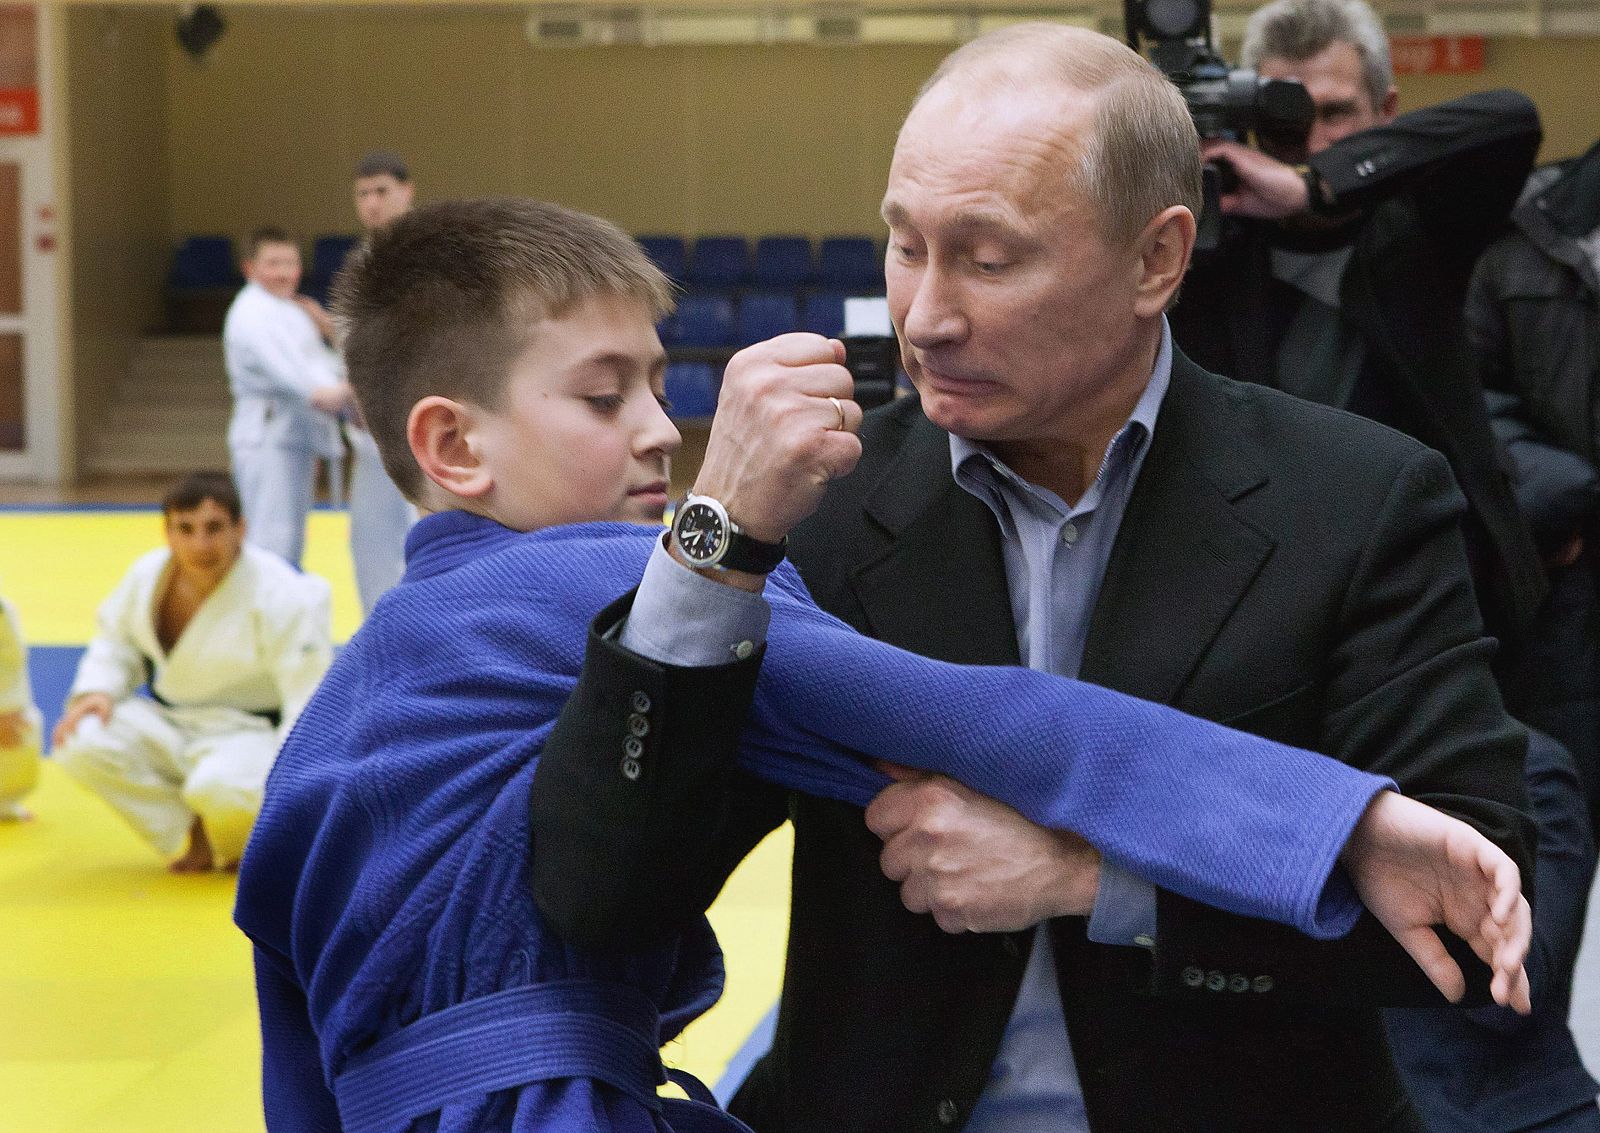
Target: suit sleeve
(632, 841)
(1408, 694)
(1464, 162)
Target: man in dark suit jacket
(1342, 279)
(1295, 571)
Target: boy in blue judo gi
(505, 356)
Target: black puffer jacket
(1533, 308)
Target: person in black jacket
(1533, 325)
(1296, 572)
(1341, 280)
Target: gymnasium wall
(742, 139)
(684, 139)
(117, 116)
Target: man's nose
(933, 315)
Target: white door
(29, 407)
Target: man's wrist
(742, 580)
(1319, 199)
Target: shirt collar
(1140, 426)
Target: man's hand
(777, 439)
(12, 727)
(1416, 868)
(332, 399)
(974, 863)
(1267, 187)
(88, 704)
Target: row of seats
(851, 264)
(204, 262)
(706, 320)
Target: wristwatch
(708, 539)
(1317, 194)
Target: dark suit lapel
(1184, 557)
(939, 587)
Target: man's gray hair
(1142, 155)
(1296, 30)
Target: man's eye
(666, 406)
(606, 403)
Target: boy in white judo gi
(232, 642)
(19, 720)
(288, 389)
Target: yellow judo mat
(126, 997)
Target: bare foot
(198, 857)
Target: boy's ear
(444, 443)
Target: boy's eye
(605, 403)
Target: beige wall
(743, 139)
(117, 121)
(1558, 74)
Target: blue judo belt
(568, 1029)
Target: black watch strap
(752, 555)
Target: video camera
(1224, 102)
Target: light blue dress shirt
(1055, 557)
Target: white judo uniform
(19, 763)
(275, 358)
(380, 517)
(228, 692)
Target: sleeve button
(638, 725)
(641, 702)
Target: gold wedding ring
(839, 409)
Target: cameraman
(1340, 277)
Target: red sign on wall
(19, 111)
(1436, 54)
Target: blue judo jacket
(405, 978)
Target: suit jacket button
(1238, 983)
(633, 747)
(1215, 980)
(1193, 977)
(641, 701)
(948, 1112)
(638, 725)
(631, 769)
(1262, 983)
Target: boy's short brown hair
(267, 234)
(440, 301)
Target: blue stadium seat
(850, 264)
(766, 314)
(669, 253)
(328, 253)
(823, 313)
(705, 320)
(203, 262)
(692, 388)
(720, 261)
(784, 261)
(327, 257)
